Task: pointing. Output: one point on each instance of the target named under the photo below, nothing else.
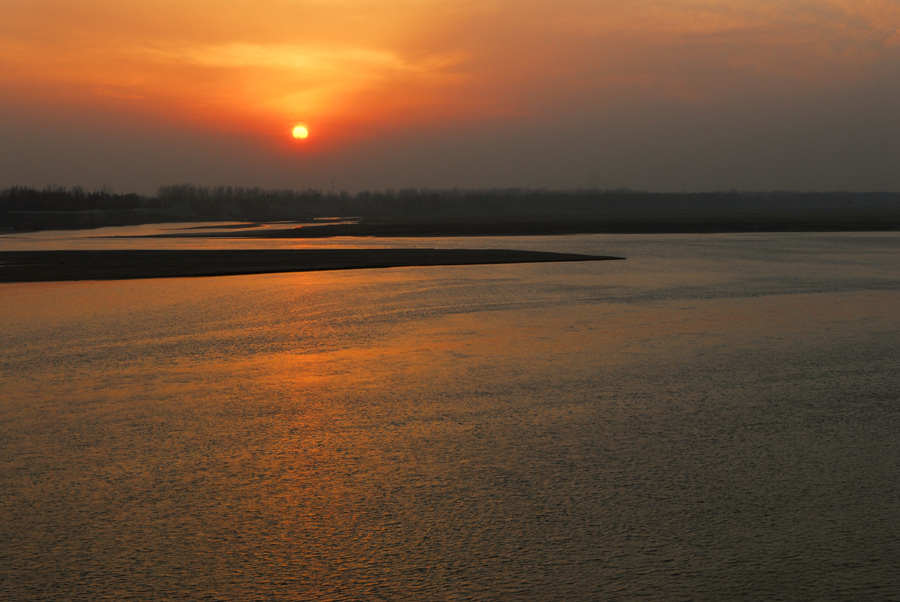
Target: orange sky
(643, 94)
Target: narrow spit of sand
(46, 266)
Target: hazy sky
(653, 95)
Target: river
(715, 418)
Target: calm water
(716, 418)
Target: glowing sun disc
(300, 132)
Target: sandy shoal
(44, 266)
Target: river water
(715, 418)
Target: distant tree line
(60, 198)
(59, 207)
(249, 203)
(261, 203)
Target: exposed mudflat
(43, 266)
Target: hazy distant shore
(412, 212)
(550, 227)
(46, 266)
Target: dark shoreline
(49, 266)
(502, 211)
(551, 227)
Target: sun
(300, 132)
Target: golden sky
(637, 93)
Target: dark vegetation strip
(43, 266)
(442, 211)
(546, 227)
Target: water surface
(715, 418)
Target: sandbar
(47, 266)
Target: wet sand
(46, 266)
